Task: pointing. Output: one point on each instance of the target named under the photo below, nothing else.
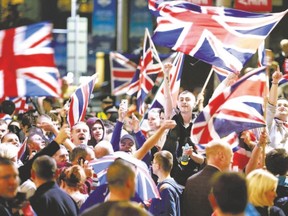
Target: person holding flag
(180, 135)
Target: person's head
(9, 178)
(61, 156)
(219, 154)
(186, 102)
(262, 187)
(229, 194)
(127, 143)
(103, 148)
(80, 151)
(106, 102)
(276, 162)
(80, 133)
(284, 46)
(43, 169)
(27, 122)
(10, 151)
(7, 107)
(74, 177)
(127, 208)
(3, 128)
(47, 104)
(121, 178)
(97, 129)
(11, 138)
(35, 142)
(154, 120)
(162, 162)
(282, 109)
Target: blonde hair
(259, 182)
(216, 145)
(8, 150)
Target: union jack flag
(237, 108)
(223, 37)
(122, 71)
(283, 80)
(27, 65)
(79, 100)
(21, 104)
(147, 71)
(220, 72)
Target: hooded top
(90, 122)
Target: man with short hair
(80, 133)
(121, 177)
(9, 182)
(229, 194)
(49, 199)
(195, 199)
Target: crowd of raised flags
(227, 43)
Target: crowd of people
(49, 168)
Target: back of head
(8, 150)
(79, 151)
(119, 172)
(127, 208)
(103, 148)
(259, 182)
(44, 167)
(276, 161)
(7, 107)
(165, 160)
(230, 192)
(75, 176)
(219, 153)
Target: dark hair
(6, 161)
(79, 151)
(277, 161)
(230, 192)
(7, 107)
(44, 167)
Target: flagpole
(206, 83)
(153, 46)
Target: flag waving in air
(237, 108)
(122, 71)
(147, 71)
(27, 65)
(79, 101)
(223, 37)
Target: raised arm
(168, 106)
(273, 93)
(151, 141)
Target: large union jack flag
(122, 71)
(79, 101)
(223, 37)
(237, 108)
(27, 65)
(146, 74)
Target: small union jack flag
(223, 37)
(122, 71)
(147, 72)
(27, 65)
(79, 101)
(283, 80)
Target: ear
(212, 201)
(33, 175)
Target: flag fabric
(21, 105)
(235, 109)
(79, 100)
(223, 37)
(146, 74)
(27, 66)
(283, 80)
(122, 71)
(220, 72)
